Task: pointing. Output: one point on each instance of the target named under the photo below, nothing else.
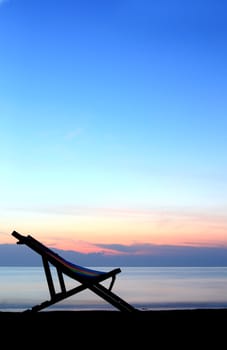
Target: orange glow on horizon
(86, 233)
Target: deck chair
(87, 278)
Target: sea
(146, 288)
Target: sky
(113, 124)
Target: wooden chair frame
(88, 278)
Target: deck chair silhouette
(87, 278)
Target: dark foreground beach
(114, 328)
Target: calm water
(143, 287)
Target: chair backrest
(72, 270)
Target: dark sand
(104, 329)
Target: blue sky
(113, 121)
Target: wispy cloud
(84, 247)
(154, 255)
(73, 134)
(157, 249)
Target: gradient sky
(113, 120)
